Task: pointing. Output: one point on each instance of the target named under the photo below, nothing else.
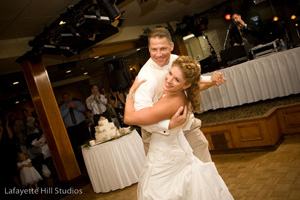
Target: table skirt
(275, 75)
(116, 164)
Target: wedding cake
(105, 130)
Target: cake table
(115, 164)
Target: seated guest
(74, 119)
(32, 130)
(41, 143)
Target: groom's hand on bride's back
(179, 117)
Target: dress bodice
(170, 147)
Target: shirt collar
(156, 66)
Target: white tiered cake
(105, 130)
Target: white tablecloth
(116, 164)
(275, 75)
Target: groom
(154, 71)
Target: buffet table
(115, 164)
(268, 77)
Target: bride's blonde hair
(191, 72)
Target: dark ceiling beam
(103, 50)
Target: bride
(171, 171)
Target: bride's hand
(136, 85)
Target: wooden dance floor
(272, 175)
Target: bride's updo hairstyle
(191, 72)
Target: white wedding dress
(172, 172)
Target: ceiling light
(293, 17)
(92, 37)
(275, 19)
(50, 46)
(17, 102)
(15, 83)
(188, 36)
(110, 9)
(62, 22)
(68, 71)
(115, 23)
(85, 73)
(78, 18)
(55, 36)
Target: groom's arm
(144, 98)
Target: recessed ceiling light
(62, 22)
(85, 73)
(15, 83)
(68, 71)
(17, 102)
(275, 19)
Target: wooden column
(51, 121)
(179, 48)
(103, 50)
